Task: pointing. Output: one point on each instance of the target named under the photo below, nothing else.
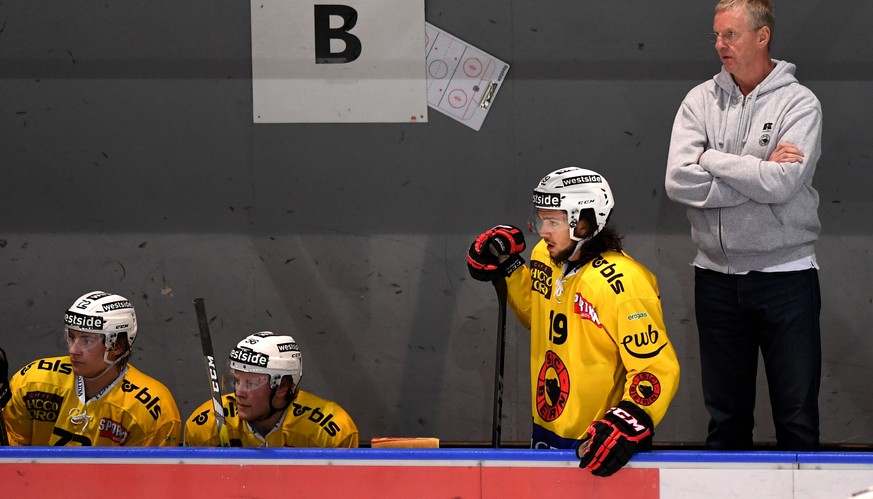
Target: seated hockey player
(93, 396)
(603, 370)
(267, 407)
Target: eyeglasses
(728, 36)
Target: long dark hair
(607, 239)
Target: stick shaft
(5, 396)
(4, 438)
(209, 359)
(500, 287)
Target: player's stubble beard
(564, 255)
(573, 246)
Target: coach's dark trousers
(777, 313)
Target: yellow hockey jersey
(310, 421)
(597, 337)
(48, 407)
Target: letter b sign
(324, 34)
(309, 63)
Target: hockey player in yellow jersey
(267, 407)
(603, 370)
(93, 396)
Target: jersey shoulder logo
(609, 272)
(319, 416)
(541, 278)
(201, 418)
(151, 403)
(43, 406)
(634, 343)
(645, 389)
(58, 366)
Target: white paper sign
(354, 61)
(462, 81)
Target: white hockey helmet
(271, 354)
(103, 313)
(573, 189)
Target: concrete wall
(130, 163)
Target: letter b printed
(324, 34)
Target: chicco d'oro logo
(43, 406)
(553, 387)
(645, 389)
(541, 278)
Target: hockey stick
(4, 397)
(211, 371)
(500, 287)
(4, 438)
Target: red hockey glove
(614, 439)
(5, 394)
(483, 258)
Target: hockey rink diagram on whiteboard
(459, 76)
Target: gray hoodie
(747, 213)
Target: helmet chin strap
(113, 362)
(109, 365)
(274, 410)
(569, 266)
(580, 241)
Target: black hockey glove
(5, 394)
(483, 259)
(614, 439)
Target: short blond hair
(759, 13)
